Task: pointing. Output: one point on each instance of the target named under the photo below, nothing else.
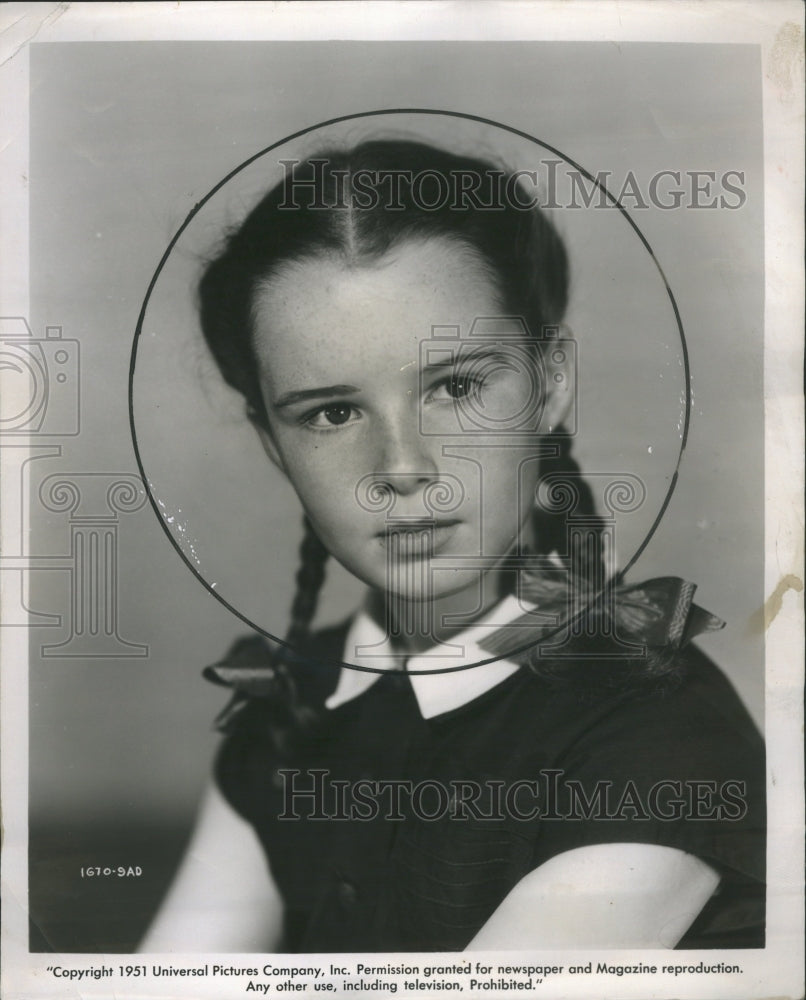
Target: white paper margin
(775, 971)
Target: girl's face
(383, 424)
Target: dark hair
(327, 204)
(318, 208)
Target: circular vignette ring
(376, 114)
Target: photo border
(774, 26)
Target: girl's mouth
(417, 539)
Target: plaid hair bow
(658, 613)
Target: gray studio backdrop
(126, 138)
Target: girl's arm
(602, 896)
(223, 897)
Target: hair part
(519, 249)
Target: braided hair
(291, 716)
(551, 529)
(520, 248)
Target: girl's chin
(438, 588)
(421, 581)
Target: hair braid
(589, 674)
(289, 717)
(551, 529)
(309, 580)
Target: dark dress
(681, 767)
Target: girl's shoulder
(695, 731)
(652, 682)
(624, 705)
(703, 694)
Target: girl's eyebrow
(452, 358)
(322, 392)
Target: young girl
(502, 749)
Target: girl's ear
(268, 442)
(561, 376)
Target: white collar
(368, 645)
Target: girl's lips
(418, 539)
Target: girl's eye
(458, 387)
(333, 415)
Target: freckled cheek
(507, 493)
(501, 471)
(325, 483)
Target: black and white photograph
(402, 442)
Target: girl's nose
(405, 462)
